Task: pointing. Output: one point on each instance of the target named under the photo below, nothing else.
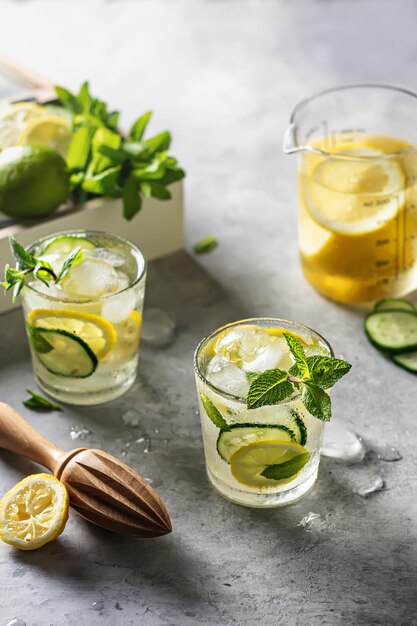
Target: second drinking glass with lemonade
(84, 332)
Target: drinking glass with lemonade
(84, 329)
(260, 383)
(357, 185)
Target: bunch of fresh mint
(105, 163)
(310, 375)
(28, 265)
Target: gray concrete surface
(223, 75)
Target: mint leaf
(23, 257)
(42, 274)
(158, 143)
(297, 351)
(286, 469)
(72, 259)
(103, 138)
(205, 245)
(38, 341)
(325, 371)
(270, 387)
(316, 401)
(132, 202)
(40, 403)
(68, 100)
(251, 376)
(79, 148)
(106, 183)
(117, 157)
(138, 128)
(213, 413)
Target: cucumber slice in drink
(394, 304)
(408, 361)
(62, 352)
(229, 441)
(65, 244)
(392, 331)
(296, 424)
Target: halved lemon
(51, 131)
(34, 512)
(281, 461)
(14, 118)
(98, 333)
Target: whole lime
(34, 181)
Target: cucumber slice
(408, 361)
(394, 304)
(392, 331)
(63, 353)
(229, 441)
(296, 424)
(65, 244)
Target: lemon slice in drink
(34, 512)
(128, 335)
(14, 118)
(355, 197)
(268, 463)
(54, 132)
(99, 334)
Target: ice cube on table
(158, 329)
(115, 259)
(91, 278)
(243, 343)
(227, 376)
(340, 442)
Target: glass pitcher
(357, 184)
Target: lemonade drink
(358, 218)
(252, 439)
(84, 331)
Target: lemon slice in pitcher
(355, 197)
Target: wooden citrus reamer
(102, 489)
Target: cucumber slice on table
(408, 361)
(65, 244)
(62, 352)
(229, 441)
(392, 331)
(394, 304)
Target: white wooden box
(157, 229)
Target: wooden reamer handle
(16, 435)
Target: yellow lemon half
(34, 512)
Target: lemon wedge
(14, 118)
(268, 463)
(98, 333)
(34, 512)
(50, 131)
